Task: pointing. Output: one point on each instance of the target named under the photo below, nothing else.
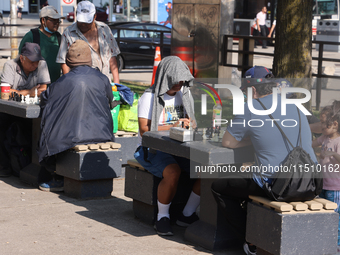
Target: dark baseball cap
(31, 51)
(255, 76)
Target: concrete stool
(141, 186)
(280, 228)
(89, 170)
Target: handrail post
(161, 43)
(223, 50)
(14, 30)
(243, 58)
(318, 78)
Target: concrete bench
(129, 141)
(89, 170)
(141, 186)
(309, 227)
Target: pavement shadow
(15, 182)
(118, 213)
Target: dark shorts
(157, 161)
(20, 10)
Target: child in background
(330, 154)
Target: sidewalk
(37, 222)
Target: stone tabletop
(19, 109)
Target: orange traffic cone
(156, 63)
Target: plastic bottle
(217, 114)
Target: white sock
(163, 210)
(192, 204)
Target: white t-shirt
(173, 109)
(262, 18)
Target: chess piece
(221, 134)
(22, 99)
(27, 99)
(35, 101)
(203, 135)
(197, 135)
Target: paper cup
(5, 88)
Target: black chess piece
(208, 132)
(198, 136)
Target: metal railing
(246, 43)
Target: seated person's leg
(164, 166)
(230, 194)
(5, 122)
(189, 215)
(50, 181)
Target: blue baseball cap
(255, 76)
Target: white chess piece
(214, 138)
(221, 134)
(35, 96)
(22, 99)
(27, 99)
(203, 135)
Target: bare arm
(315, 143)
(258, 26)
(230, 142)
(114, 69)
(31, 91)
(271, 30)
(316, 127)
(65, 68)
(335, 155)
(145, 124)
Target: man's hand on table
(31, 92)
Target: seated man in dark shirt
(75, 110)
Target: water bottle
(217, 114)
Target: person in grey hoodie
(167, 104)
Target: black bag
(300, 179)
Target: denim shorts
(158, 161)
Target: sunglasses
(54, 21)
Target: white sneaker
(247, 250)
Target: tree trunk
(293, 43)
(293, 40)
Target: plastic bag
(115, 111)
(128, 116)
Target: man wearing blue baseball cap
(269, 146)
(256, 75)
(97, 35)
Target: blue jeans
(334, 196)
